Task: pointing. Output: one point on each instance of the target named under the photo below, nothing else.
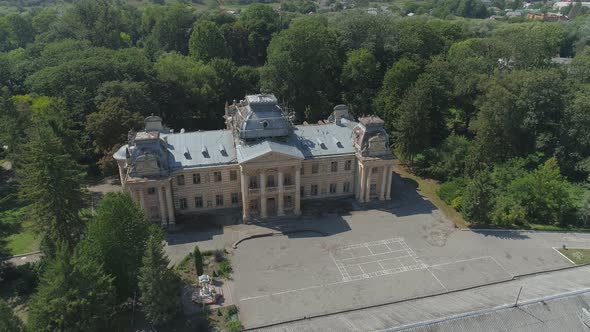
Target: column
(141, 198)
(263, 212)
(358, 179)
(245, 191)
(162, 202)
(369, 171)
(171, 218)
(297, 207)
(389, 178)
(384, 177)
(363, 184)
(281, 209)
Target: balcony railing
(272, 189)
(289, 188)
(254, 191)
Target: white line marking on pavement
(435, 277)
(460, 261)
(502, 267)
(564, 256)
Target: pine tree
(117, 239)
(50, 180)
(198, 257)
(159, 286)
(9, 322)
(74, 295)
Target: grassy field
(428, 187)
(578, 256)
(17, 234)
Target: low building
(260, 163)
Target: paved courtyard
(383, 253)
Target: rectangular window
(332, 188)
(314, 190)
(235, 198)
(253, 182)
(373, 189)
(218, 200)
(151, 191)
(348, 165)
(346, 187)
(302, 169)
(287, 180)
(288, 201)
(199, 201)
(217, 176)
(233, 175)
(334, 166)
(183, 205)
(180, 180)
(302, 191)
(270, 181)
(196, 178)
(375, 170)
(315, 168)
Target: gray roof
(248, 151)
(325, 140)
(216, 147)
(200, 148)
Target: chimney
(153, 123)
(340, 111)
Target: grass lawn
(16, 233)
(428, 187)
(578, 256)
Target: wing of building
(260, 163)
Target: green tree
(260, 21)
(9, 322)
(99, 21)
(55, 205)
(478, 198)
(302, 67)
(166, 28)
(398, 79)
(137, 96)
(207, 42)
(74, 295)
(198, 257)
(117, 238)
(360, 76)
(159, 286)
(111, 124)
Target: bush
(225, 269)
(451, 190)
(234, 326)
(219, 256)
(198, 261)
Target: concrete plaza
(373, 254)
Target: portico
(270, 188)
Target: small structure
(205, 292)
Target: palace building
(261, 163)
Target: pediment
(273, 157)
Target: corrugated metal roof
(205, 148)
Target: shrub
(219, 256)
(198, 261)
(225, 269)
(234, 326)
(451, 190)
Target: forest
(497, 111)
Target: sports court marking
(374, 259)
